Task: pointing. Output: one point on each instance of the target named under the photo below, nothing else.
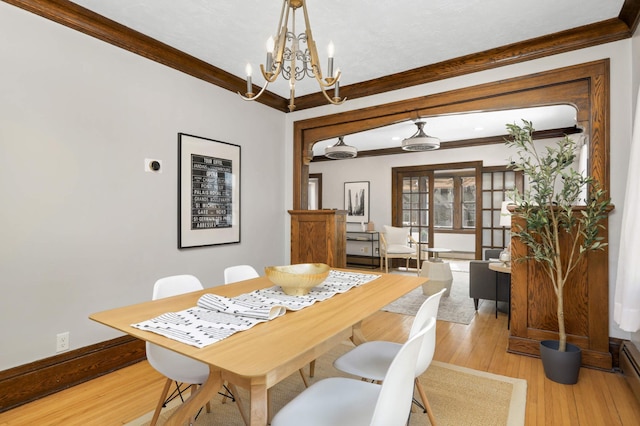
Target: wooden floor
(599, 398)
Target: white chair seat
(373, 360)
(399, 249)
(175, 367)
(324, 404)
(370, 359)
(395, 243)
(183, 369)
(342, 401)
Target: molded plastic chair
(394, 244)
(177, 368)
(371, 360)
(239, 273)
(344, 401)
(236, 273)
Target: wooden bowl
(299, 279)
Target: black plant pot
(561, 367)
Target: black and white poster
(209, 192)
(356, 201)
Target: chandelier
(420, 141)
(287, 57)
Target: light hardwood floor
(599, 398)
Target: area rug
(457, 307)
(458, 396)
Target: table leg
(259, 402)
(357, 337)
(497, 294)
(197, 399)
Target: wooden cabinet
(586, 306)
(319, 236)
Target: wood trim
(489, 140)
(585, 86)
(35, 380)
(92, 24)
(74, 16)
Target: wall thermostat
(151, 165)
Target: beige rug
(458, 396)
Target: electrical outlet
(62, 341)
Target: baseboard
(35, 380)
(630, 366)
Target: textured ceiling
(373, 38)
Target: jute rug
(457, 307)
(458, 396)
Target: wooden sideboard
(319, 236)
(586, 306)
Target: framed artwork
(356, 201)
(208, 192)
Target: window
(455, 201)
(415, 205)
(444, 203)
(437, 198)
(496, 184)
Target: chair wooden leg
(425, 402)
(163, 396)
(304, 379)
(234, 391)
(312, 368)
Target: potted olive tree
(550, 213)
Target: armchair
(395, 244)
(482, 280)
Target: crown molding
(90, 23)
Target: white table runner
(218, 317)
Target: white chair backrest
(171, 364)
(396, 236)
(396, 393)
(236, 273)
(428, 309)
(177, 284)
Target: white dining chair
(371, 360)
(236, 273)
(395, 244)
(178, 368)
(350, 402)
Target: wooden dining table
(258, 358)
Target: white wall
(377, 170)
(635, 54)
(620, 55)
(82, 227)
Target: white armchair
(395, 243)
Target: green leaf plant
(548, 208)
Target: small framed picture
(356, 201)
(208, 192)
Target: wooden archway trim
(585, 86)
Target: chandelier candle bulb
(249, 85)
(294, 56)
(330, 52)
(270, 48)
